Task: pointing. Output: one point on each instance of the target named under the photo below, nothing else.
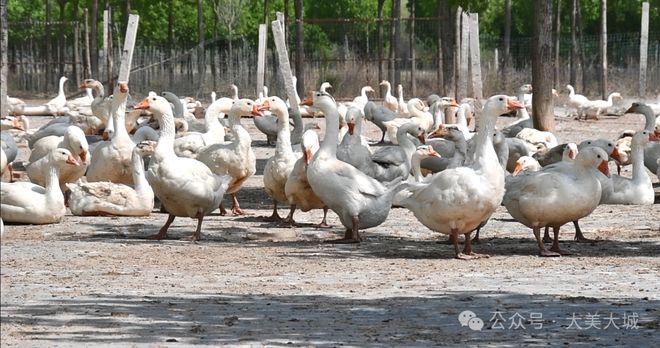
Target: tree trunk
(542, 63)
(300, 66)
(439, 69)
(170, 40)
(603, 48)
(557, 41)
(48, 45)
(76, 41)
(413, 58)
(574, 44)
(394, 35)
(93, 41)
(4, 102)
(581, 49)
(380, 44)
(506, 58)
(60, 39)
(201, 61)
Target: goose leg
(288, 220)
(546, 235)
(352, 235)
(236, 208)
(555, 243)
(324, 223)
(467, 253)
(275, 216)
(197, 235)
(382, 138)
(450, 241)
(579, 237)
(223, 211)
(162, 233)
(542, 250)
(476, 239)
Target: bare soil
(91, 281)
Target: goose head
(275, 104)
(501, 104)
(570, 151)
(593, 157)
(310, 144)
(61, 157)
(642, 137)
(145, 148)
(385, 83)
(322, 99)
(245, 107)
(353, 115)
(413, 129)
(77, 142)
(156, 104)
(526, 163)
(425, 151)
(608, 146)
(325, 86)
(526, 88)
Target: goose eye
(501, 99)
(598, 156)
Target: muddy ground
(91, 281)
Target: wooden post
(261, 57)
(285, 69)
(603, 48)
(413, 55)
(103, 53)
(475, 57)
(4, 41)
(506, 57)
(76, 51)
(574, 45)
(440, 65)
(643, 49)
(542, 62)
(464, 62)
(300, 56)
(129, 45)
(457, 52)
(557, 41)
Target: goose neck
(331, 139)
(283, 145)
(637, 159)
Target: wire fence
(346, 53)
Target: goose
(279, 166)
(378, 115)
(551, 197)
(15, 106)
(526, 163)
(73, 140)
(536, 138)
(457, 201)
(298, 191)
(363, 99)
(517, 148)
(184, 186)
(421, 154)
(235, 158)
(10, 149)
(359, 200)
(638, 189)
(267, 124)
(101, 104)
(435, 164)
(82, 104)
(107, 198)
(389, 101)
(577, 101)
(652, 149)
(57, 105)
(441, 109)
(191, 143)
(523, 121)
(3, 162)
(352, 149)
(417, 115)
(28, 203)
(525, 95)
(111, 160)
(402, 105)
(595, 108)
(20, 123)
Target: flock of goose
(97, 158)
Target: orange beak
(83, 156)
(307, 101)
(512, 104)
(432, 152)
(265, 105)
(123, 87)
(351, 127)
(604, 168)
(453, 102)
(72, 161)
(17, 124)
(438, 133)
(421, 137)
(257, 110)
(517, 169)
(572, 153)
(616, 155)
(655, 136)
(308, 155)
(143, 105)
(82, 85)
(106, 135)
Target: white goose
(106, 198)
(185, 186)
(403, 106)
(28, 203)
(73, 140)
(235, 158)
(457, 201)
(560, 193)
(191, 143)
(101, 104)
(638, 189)
(575, 100)
(298, 191)
(651, 150)
(595, 108)
(279, 166)
(111, 160)
(363, 99)
(417, 114)
(57, 105)
(359, 200)
(389, 101)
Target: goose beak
(616, 155)
(517, 169)
(123, 87)
(16, 124)
(308, 155)
(453, 102)
(655, 136)
(83, 157)
(107, 135)
(572, 153)
(307, 101)
(512, 104)
(72, 161)
(422, 137)
(604, 168)
(351, 127)
(438, 133)
(143, 105)
(432, 152)
(257, 110)
(82, 85)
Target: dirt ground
(91, 281)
